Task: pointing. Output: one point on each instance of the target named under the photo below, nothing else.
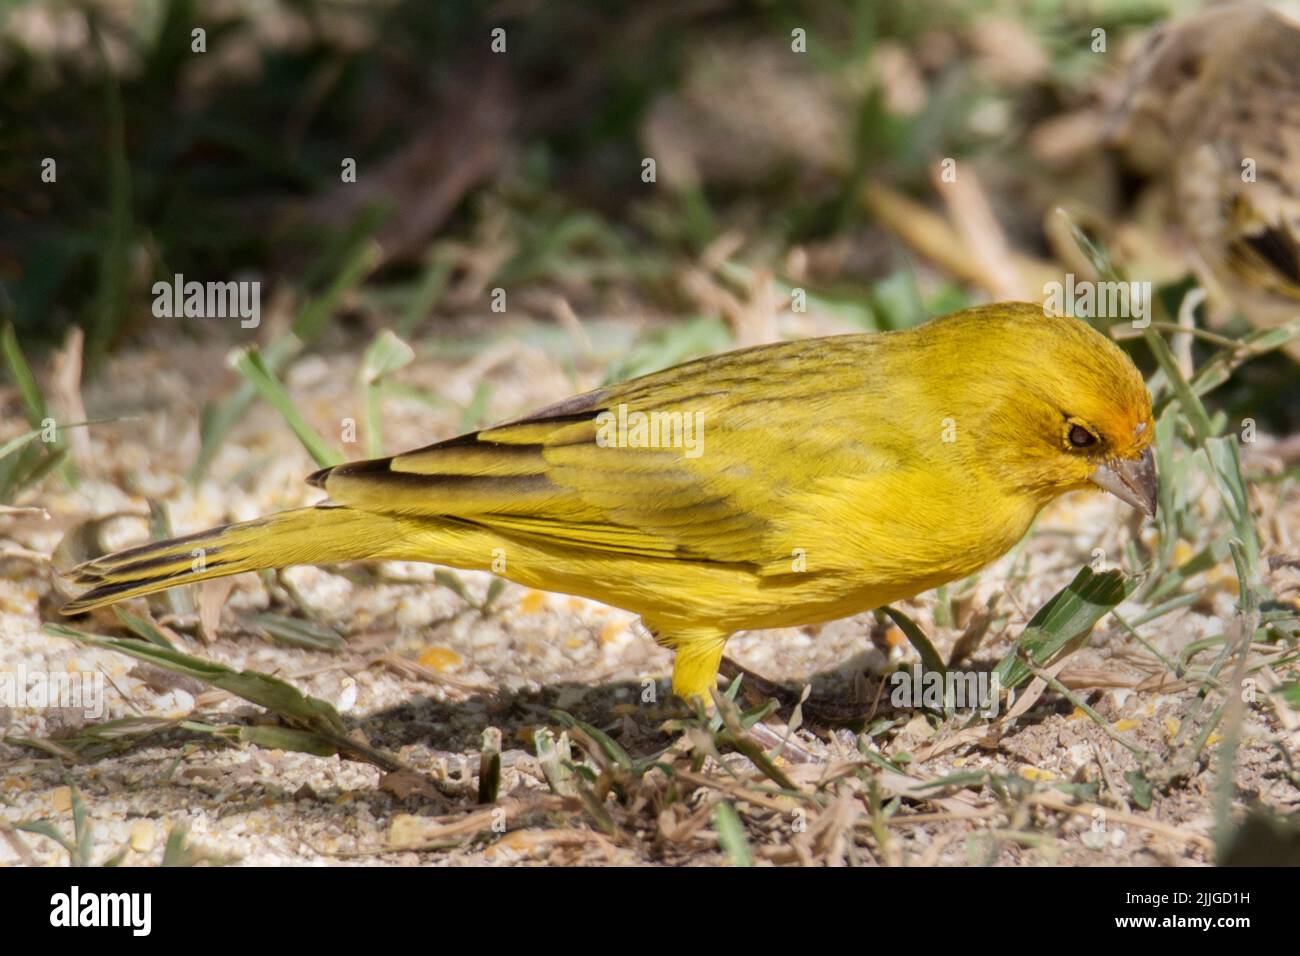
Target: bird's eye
(1080, 437)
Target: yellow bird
(773, 486)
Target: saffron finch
(772, 486)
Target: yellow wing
(721, 451)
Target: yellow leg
(695, 670)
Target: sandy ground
(532, 652)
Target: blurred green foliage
(175, 161)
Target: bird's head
(1103, 440)
(1068, 409)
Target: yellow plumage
(827, 477)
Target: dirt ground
(421, 673)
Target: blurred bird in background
(1212, 110)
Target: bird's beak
(1131, 480)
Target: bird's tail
(319, 535)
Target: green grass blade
(143, 628)
(109, 307)
(21, 373)
(731, 834)
(261, 689)
(249, 363)
(1188, 400)
(930, 658)
(386, 354)
(1225, 467)
(219, 419)
(1068, 616)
